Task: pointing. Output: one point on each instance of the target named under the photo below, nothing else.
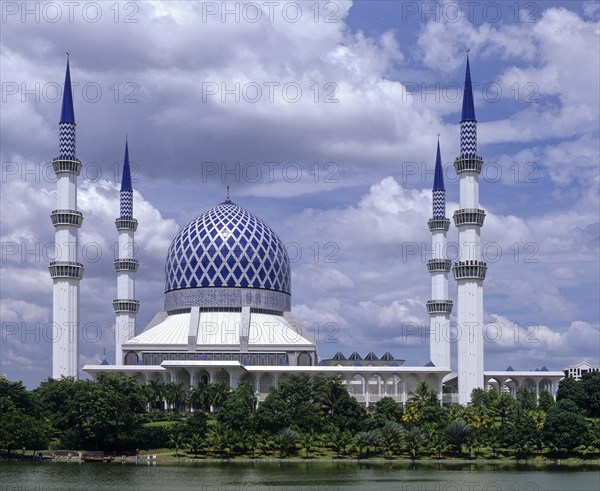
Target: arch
(222, 376)
(266, 381)
(248, 379)
(546, 384)
(356, 384)
(140, 378)
(411, 383)
(131, 358)
(529, 383)
(304, 359)
(375, 385)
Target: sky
(323, 118)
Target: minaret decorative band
(126, 205)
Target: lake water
(275, 476)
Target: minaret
(469, 271)
(125, 306)
(439, 307)
(65, 270)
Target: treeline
(305, 416)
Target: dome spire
(227, 197)
(67, 114)
(468, 108)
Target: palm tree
(177, 439)
(265, 442)
(286, 441)
(423, 395)
(436, 443)
(309, 440)
(195, 443)
(217, 393)
(198, 397)
(456, 433)
(174, 394)
(154, 393)
(365, 440)
(390, 436)
(414, 438)
(339, 440)
(220, 439)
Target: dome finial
(227, 198)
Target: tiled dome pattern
(227, 246)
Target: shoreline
(187, 460)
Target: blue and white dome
(227, 246)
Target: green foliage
(591, 388)
(386, 409)
(565, 427)
(18, 429)
(569, 388)
(546, 401)
(526, 399)
(238, 411)
(457, 433)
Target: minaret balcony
(439, 265)
(126, 265)
(72, 166)
(469, 216)
(469, 270)
(126, 306)
(439, 307)
(438, 224)
(469, 164)
(126, 224)
(66, 269)
(66, 217)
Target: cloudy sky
(323, 119)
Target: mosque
(227, 312)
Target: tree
(386, 409)
(339, 441)
(286, 441)
(591, 387)
(413, 440)
(569, 388)
(526, 399)
(196, 424)
(565, 426)
(18, 394)
(505, 407)
(196, 443)
(177, 439)
(218, 393)
(18, 430)
(390, 438)
(423, 395)
(238, 411)
(154, 394)
(457, 433)
(174, 394)
(546, 401)
(309, 440)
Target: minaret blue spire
(126, 180)
(438, 180)
(439, 192)
(67, 114)
(468, 108)
(126, 189)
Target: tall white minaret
(469, 270)
(65, 270)
(125, 305)
(439, 307)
